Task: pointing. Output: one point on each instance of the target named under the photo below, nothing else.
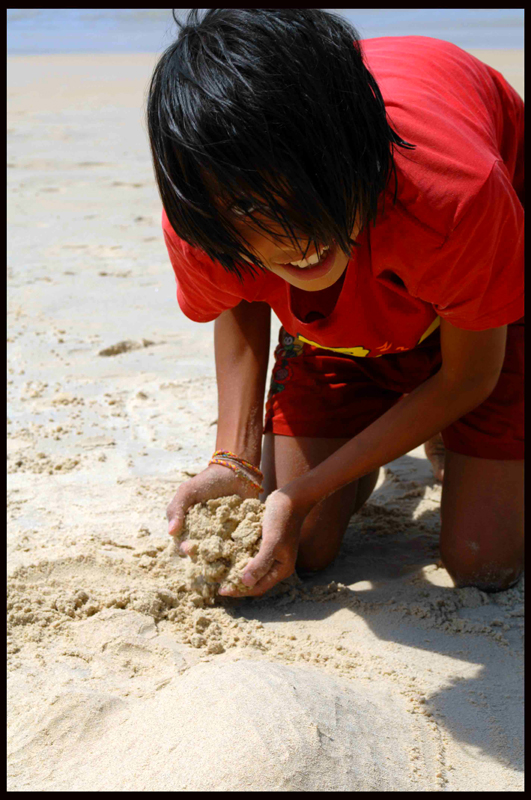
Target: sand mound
(96, 638)
(232, 726)
(223, 535)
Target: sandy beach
(374, 675)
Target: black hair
(271, 110)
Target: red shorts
(318, 393)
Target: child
(371, 194)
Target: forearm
(241, 343)
(430, 408)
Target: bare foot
(435, 450)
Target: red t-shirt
(451, 246)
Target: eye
(243, 207)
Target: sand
(375, 674)
(221, 535)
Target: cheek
(258, 244)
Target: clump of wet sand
(222, 535)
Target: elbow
(476, 389)
(487, 383)
(491, 384)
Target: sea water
(151, 30)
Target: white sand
(374, 675)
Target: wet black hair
(271, 112)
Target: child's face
(276, 258)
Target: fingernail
(248, 579)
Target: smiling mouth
(312, 261)
(309, 271)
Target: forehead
(223, 193)
(216, 188)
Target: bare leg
(482, 516)
(285, 458)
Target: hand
(214, 481)
(276, 558)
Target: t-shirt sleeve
(476, 281)
(204, 289)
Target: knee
(312, 562)
(485, 577)
(315, 556)
(365, 488)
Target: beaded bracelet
(251, 467)
(236, 469)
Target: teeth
(312, 260)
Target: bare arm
(241, 343)
(471, 366)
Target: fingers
(274, 576)
(175, 523)
(176, 511)
(175, 516)
(260, 565)
(277, 573)
(215, 481)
